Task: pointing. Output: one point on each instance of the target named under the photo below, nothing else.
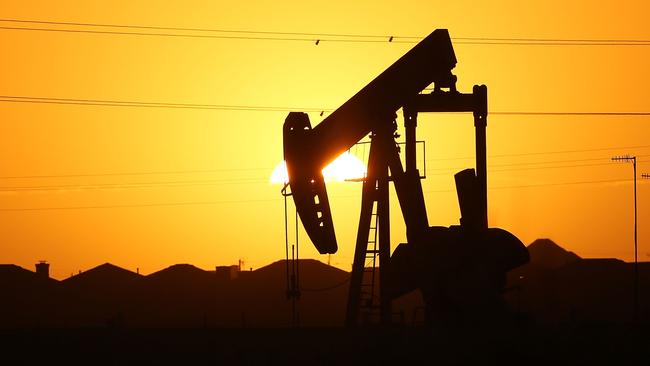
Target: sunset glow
(345, 167)
(188, 125)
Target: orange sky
(226, 208)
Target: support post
(375, 191)
(407, 182)
(480, 125)
(636, 259)
(410, 123)
(368, 198)
(383, 212)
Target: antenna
(627, 159)
(624, 158)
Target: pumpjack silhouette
(460, 270)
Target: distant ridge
(105, 274)
(180, 273)
(547, 254)
(557, 286)
(307, 268)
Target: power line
(447, 171)
(210, 30)
(555, 162)
(548, 167)
(536, 164)
(541, 185)
(167, 172)
(567, 40)
(521, 164)
(537, 113)
(318, 41)
(442, 172)
(575, 151)
(129, 185)
(550, 43)
(314, 36)
(279, 199)
(156, 184)
(547, 152)
(173, 184)
(134, 205)
(202, 171)
(175, 35)
(127, 103)
(561, 184)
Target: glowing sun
(345, 167)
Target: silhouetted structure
(438, 261)
(554, 289)
(226, 273)
(28, 298)
(559, 288)
(546, 253)
(628, 158)
(43, 269)
(178, 296)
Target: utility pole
(632, 159)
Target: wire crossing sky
(291, 36)
(129, 103)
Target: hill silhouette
(313, 274)
(185, 315)
(322, 300)
(559, 287)
(105, 274)
(179, 272)
(99, 296)
(556, 287)
(546, 253)
(181, 295)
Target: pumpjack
(460, 270)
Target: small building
(43, 269)
(227, 273)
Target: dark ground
(587, 345)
